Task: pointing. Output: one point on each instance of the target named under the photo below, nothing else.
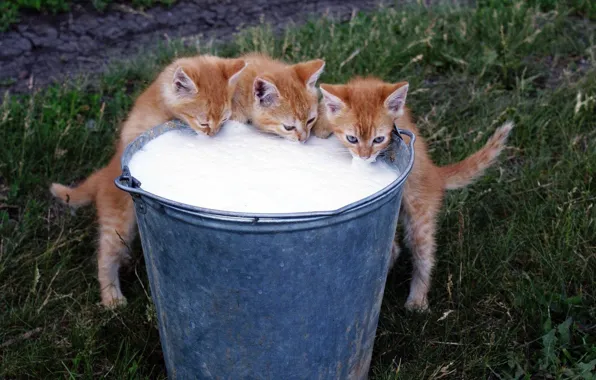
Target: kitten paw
(417, 305)
(112, 298)
(114, 303)
(322, 134)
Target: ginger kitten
(277, 97)
(197, 90)
(362, 114)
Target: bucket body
(279, 296)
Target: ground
(43, 48)
(514, 288)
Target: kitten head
(362, 113)
(199, 90)
(285, 101)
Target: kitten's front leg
(117, 225)
(240, 111)
(322, 128)
(239, 116)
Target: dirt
(44, 49)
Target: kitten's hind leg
(420, 227)
(395, 250)
(117, 229)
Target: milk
(244, 170)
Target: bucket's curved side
(290, 296)
(299, 303)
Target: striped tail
(463, 173)
(78, 196)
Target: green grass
(514, 289)
(10, 10)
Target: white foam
(243, 170)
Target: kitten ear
(333, 103)
(310, 71)
(183, 85)
(396, 100)
(232, 70)
(265, 92)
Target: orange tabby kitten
(362, 114)
(197, 90)
(278, 98)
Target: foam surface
(243, 170)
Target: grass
(514, 289)
(10, 10)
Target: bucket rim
(131, 185)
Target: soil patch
(44, 49)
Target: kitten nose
(366, 153)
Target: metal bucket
(267, 296)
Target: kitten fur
(197, 90)
(277, 97)
(366, 109)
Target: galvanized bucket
(267, 296)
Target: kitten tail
(461, 174)
(78, 196)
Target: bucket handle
(410, 134)
(128, 183)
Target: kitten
(197, 90)
(361, 114)
(278, 98)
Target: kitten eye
(205, 125)
(379, 139)
(289, 127)
(310, 120)
(351, 139)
